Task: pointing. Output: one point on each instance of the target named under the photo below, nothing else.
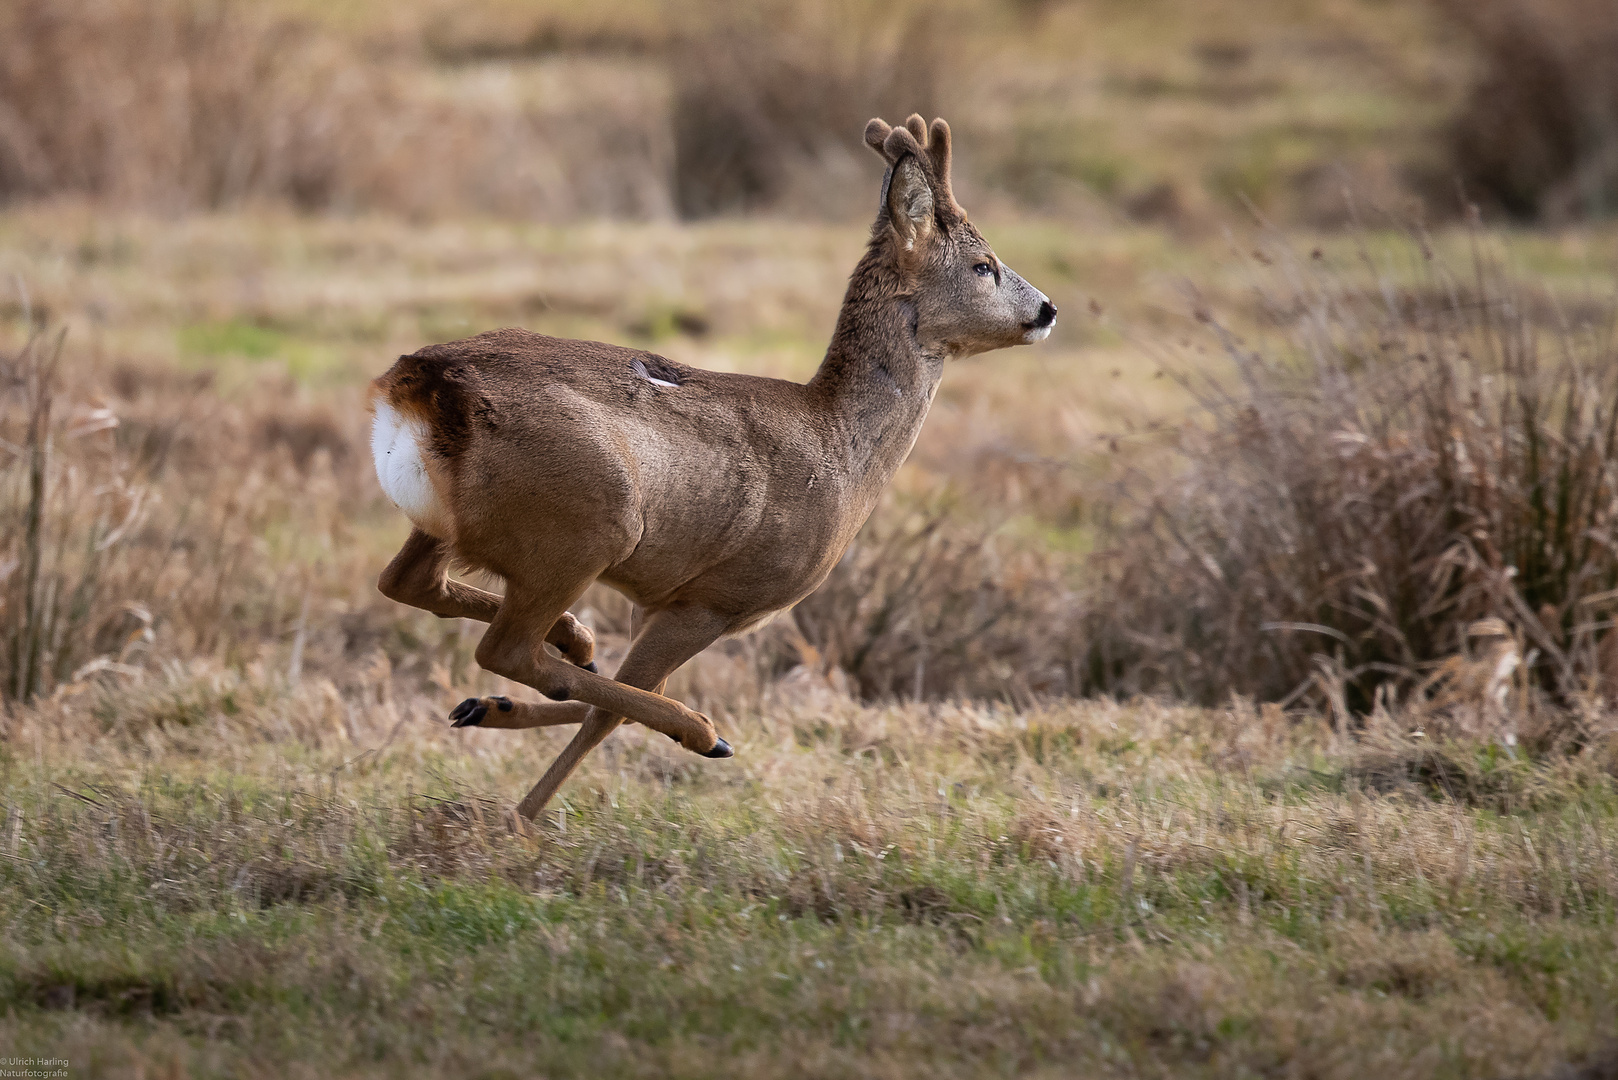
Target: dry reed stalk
(29, 639)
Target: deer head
(967, 301)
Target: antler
(876, 134)
(931, 148)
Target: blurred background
(240, 212)
(1166, 111)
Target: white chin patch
(1037, 334)
(396, 447)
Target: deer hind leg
(578, 645)
(419, 576)
(511, 649)
(499, 711)
(663, 642)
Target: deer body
(712, 501)
(583, 430)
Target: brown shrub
(159, 529)
(1389, 465)
(928, 605)
(179, 106)
(1411, 965)
(770, 98)
(61, 529)
(1538, 134)
(1389, 758)
(175, 105)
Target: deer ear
(910, 202)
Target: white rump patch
(396, 447)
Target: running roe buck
(712, 501)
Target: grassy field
(250, 880)
(262, 852)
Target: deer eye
(983, 269)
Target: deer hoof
(721, 749)
(591, 667)
(470, 713)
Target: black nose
(1047, 315)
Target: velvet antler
(930, 147)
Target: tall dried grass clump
(179, 106)
(65, 511)
(1391, 471)
(1539, 132)
(176, 105)
(929, 605)
(770, 99)
(145, 521)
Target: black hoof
(721, 749)
(469, 713)
(591, 666)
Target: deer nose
(1046, 316)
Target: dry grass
(555, 112)
(296, 882)
(927, 605)
(1538, 134)
(1395, 458)
(148, 522)
(175, 106)
(769, 98)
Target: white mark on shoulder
(640, 369)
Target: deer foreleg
(663, 642)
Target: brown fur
(714, 504)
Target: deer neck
(876, 383)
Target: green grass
(306, 358)
(234, 338)
(1087, 890)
